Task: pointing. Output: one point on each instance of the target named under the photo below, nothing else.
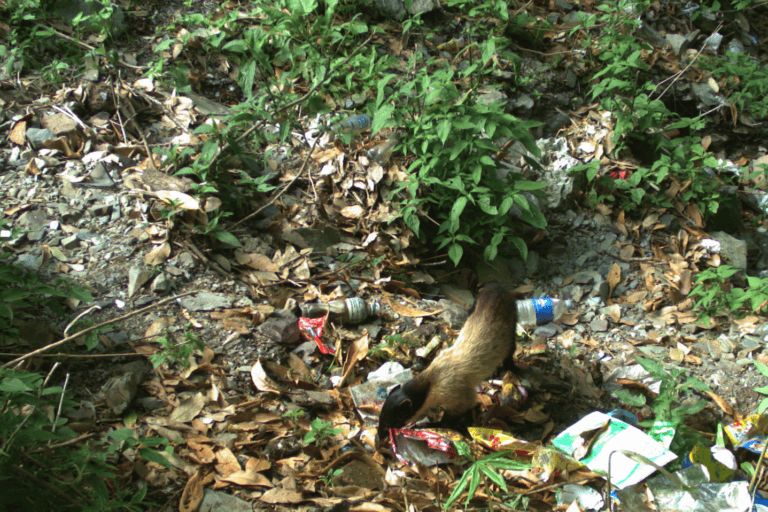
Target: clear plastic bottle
(352, 124)
(380, 153)
(532, 312)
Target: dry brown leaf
(262, 381)
(326, 155)
(158, 327)
(298, 367)
(370, 507)
(357, 352)
(721, 403)
(250, 476)
(158, 255)
(256, 261)
(692, 359)
(192, 495)
(409, 311)
(211, 204)
(693, 212)
(614, 277)
(352, 212)
(535, 416)
(188, 409)
(676, 355)
(627, 251)
(280, 495)
(180, 199)
(635, 297)
(31, 169)
(18, 133)
(613, 312)
(201, 452)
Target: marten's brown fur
(486, 340)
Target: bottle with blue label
(540, 310)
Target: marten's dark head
(401, 404)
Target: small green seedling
(320, 430)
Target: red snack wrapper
(312, 329)
(408, 445)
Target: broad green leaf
(458, 207)
(520, 246)
(474, 481)
(382, 117)
(153, 456)
(122, 434)
(455, 252)
(493, 476)
(246, 77)
(443, 130)
(236, 46)
(227, 238)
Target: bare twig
(284, 189)
(674, 78)
(91, 48)
(93, 328)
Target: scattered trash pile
(611, 459)
(615, 456)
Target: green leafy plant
(319, 431)
(743, 79)
(669, 405)
(177, 351)
(675, 402)
(763, 390)
(453, 179)
(293, 415)
(26, 292)
(715, 292)
(45, 470)
(328, 477)
(486, 468)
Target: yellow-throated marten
(486, 340)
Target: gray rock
(734, 249)
(217, 500)
(678, 43)
(161, 284)
(121, 390)
(37, 136)
(70, 242)
(706, 95)
(206, 302)
(137, 277)
(319, 239)
(599, 324)
(281, 327)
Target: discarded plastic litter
(353, 124)
(734, 46)
(541, 310)
(380, 153)
(350, 311)
(612, 437)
